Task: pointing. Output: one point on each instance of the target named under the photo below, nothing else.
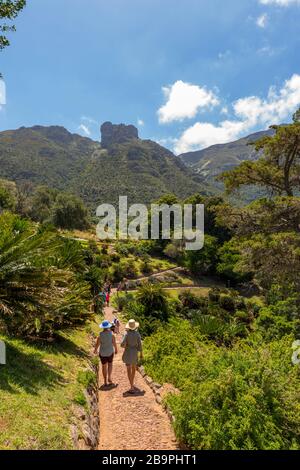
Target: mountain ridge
(53, 156)
(211, 161)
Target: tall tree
(278, 169)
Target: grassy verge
(38, 386)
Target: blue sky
(189, 73)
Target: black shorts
(106, 359)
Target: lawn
(38, 386)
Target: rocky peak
(117, 134)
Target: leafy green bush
(8, 194)
(121, 300)
(279, 320)
(227, 303)
(80, 399)
(172, 251)
(192, 301)
(245, 397)
(69, 212)
(146, 267)
(214, 295)
(228, 263)
(154, 301)
(203, 261)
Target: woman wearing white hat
(133, 345)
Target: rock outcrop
(117, 134)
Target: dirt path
(131, 422)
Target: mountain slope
(43, 155)
(123, 165)
(210, 162)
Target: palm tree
(39, 290)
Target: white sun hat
(132, 325)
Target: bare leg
(110, 368)
(104, 373)
(133, 370)
(129, 373)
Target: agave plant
(39, 290)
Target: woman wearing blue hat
(108, 347)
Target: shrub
(276, 321)
(192, 301)
(121, 300)
(214, 295)
(146, 267)
(227, 267)
(154, 300)
(80, 399)
(227, 303)
(172, 251)
(69, 212)
(243, 398)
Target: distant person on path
(108, 347)
(102, 296)
(116, 323)
(133, 346)
(107, 298)
(120, 286)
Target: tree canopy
(9, 10)
(278, 168)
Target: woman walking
(108, 347)
(133, 346)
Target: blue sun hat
(105, 325)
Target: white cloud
(140, 122)
(83, 128)
(184, 100)
(262, 21)
(250, 112)
(204, 134)
(2, 93)
(89, 120)
(282, 3)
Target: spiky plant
(39, 289)
(154, 300)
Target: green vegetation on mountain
(216, 159)
(51, 156)
(209, 163)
